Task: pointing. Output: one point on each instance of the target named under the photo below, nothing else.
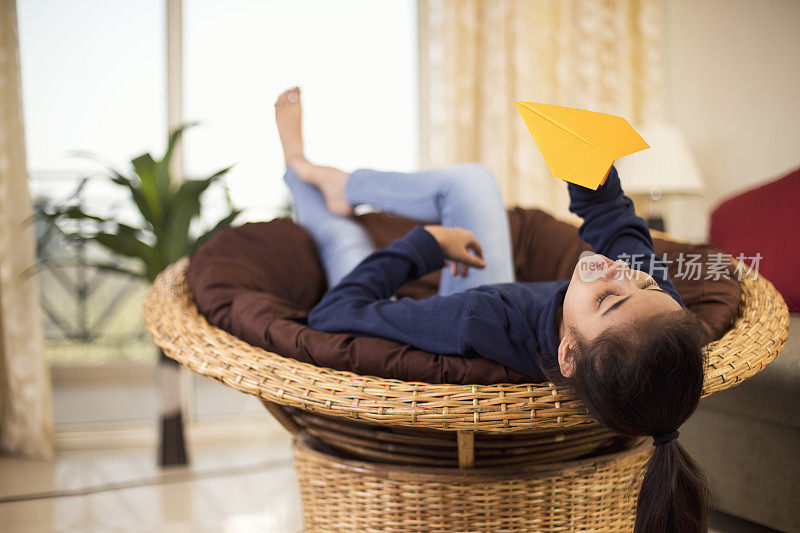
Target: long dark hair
(647, 380)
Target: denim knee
(334, 231)
(474, 184)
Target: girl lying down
(620, 337)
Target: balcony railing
(92, 315)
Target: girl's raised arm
(611, 226)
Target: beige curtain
(477, 57)
(26, 422)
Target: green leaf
(58, 213)
(126, 244)
(139, 199)
(145, 168)
(163, 179)
(75, 212)
(184, 207)
(114, 174)
(219, 173)
(224, 223)
(110, 267)
(174, 136)
(144, 207)
(142, 203)
(168, 210)
(191, 190)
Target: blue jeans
(465, 196)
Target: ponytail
(659, 363)
(674, 495)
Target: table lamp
(668, 167)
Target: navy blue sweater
(515, 324)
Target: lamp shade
(667, 166)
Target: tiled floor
(233, 488)
(229, 488)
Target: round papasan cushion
(259, 280)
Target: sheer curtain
(26, 421)
(477, 57)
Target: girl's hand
(456, 244)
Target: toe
(283, 98)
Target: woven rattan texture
(433, 447)
(171, 316)
(596, 494)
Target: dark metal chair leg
(172, 445)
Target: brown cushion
(259, 280)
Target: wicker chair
(430, 426)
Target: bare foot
(330, 181)
(288, 115)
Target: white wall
(733, 87)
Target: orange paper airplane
(579, 146)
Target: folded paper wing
(579, 146)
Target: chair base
(430, 447)
(592, 494)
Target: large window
(94, 79)
(355, 61)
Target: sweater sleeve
(612, 228)
(360, 304)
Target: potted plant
(167, 209)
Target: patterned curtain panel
(477, 57)
(26, 421)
